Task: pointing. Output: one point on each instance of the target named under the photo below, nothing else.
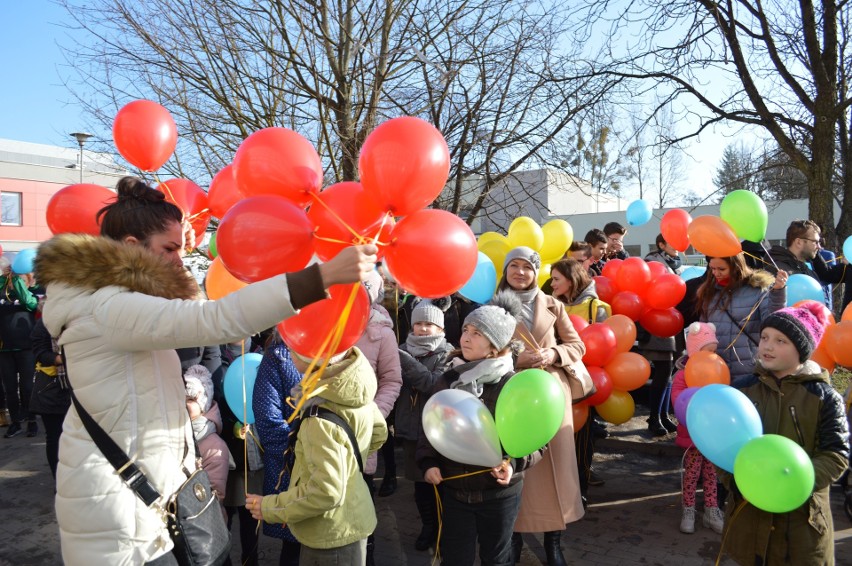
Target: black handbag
(192, 513)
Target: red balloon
(145, 134)
(604, 288)
(432, 253)
(633, 275)
(191, 200)
(664, 323)
(579, 322)
(280, 162)
(611, 267)
(666, 291)
(404, 164)
(629, 304)
(600, 344)
(580, 413)
(674, 227)
(264, 236)
(338, 207)
(306, 332)
(657, 269)
(223, 192)
(603, 385)
(73, 208)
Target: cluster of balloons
(460, 427)
(615, 370)
(275, 217)
(644, 292)
(772, 472)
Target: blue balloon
(24, 261)
(243, 368)
(638, 212)
(801, 287)
(847, 249)
(692, 272)
(721, 420)
(480, 287)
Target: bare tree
(781, 58)
(765, 171)
(485, 72)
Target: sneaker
(687, 520)
(14, 430)
(32, 428)
(667, 423)
(655, 427)
(713, 519)
(594, 479)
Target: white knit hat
(199, 386)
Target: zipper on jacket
(796, 425)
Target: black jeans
(52, 432)
(491, 522)
(661, 375)
(12, 365)
(585, 448)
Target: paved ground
(633, 519)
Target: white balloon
(461, 428)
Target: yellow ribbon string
(727, 529)
(742, 328)
(439, 506)
(245, 415)
(318, 198)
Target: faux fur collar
(89, 262)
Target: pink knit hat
(698, 335)
(803, 325)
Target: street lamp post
(81, 138)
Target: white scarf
(473, 375)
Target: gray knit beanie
(425, 311)
(529, 255)
(497, 320)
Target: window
(10, 209)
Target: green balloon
(211, 247)
(746, 213)
(529, 411)
(774, 473)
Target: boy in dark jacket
(795, 399)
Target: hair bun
(133, 188)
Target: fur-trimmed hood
(89, 262)
(761, 279)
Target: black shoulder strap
(741, 327)
(331, 416)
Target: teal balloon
(24, 261)
(847, 249)
(802, 287)
(639, 212)
(242, 369)
(746, 214)
(774, 473)
(692, 272)
(529, 411)
(480, 287)
(721, 420)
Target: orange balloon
(713, 236)
(628, 371)
(625, 331)
(847, 313)
(581, 415)
(837, 340)
(618, 408)
(219, 282)
(823, 358)
(704, 368)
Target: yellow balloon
(524, 231)
(558, 236)
(618, 408)
(543, 275)
(486, 237)
(496, 251)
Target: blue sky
(35, 105)
(37, 108)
